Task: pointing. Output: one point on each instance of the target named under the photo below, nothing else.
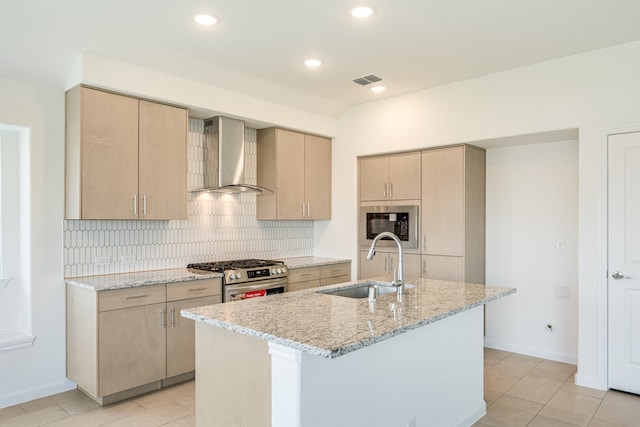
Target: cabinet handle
(135, 204)
(385, 265)
(144, 204)
(197, 289)
(424, 242)
(302, 206)
(308, 209)
(162, 318)
(384, 192)
(424, 266)
(137, 296)
(172, 319)
(391, 190)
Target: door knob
(617, 275)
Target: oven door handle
(254, 286)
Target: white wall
(532, 204)
(39, 369)
(589, 92)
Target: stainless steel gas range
(248, 278)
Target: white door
(624, 262)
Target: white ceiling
(258, 46)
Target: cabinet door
(290, 174)
(411, 265)
(443, 268)
(374, 178)
(181, 335)
(377, 266)
(109, 155)
(317, 177)
(442, 201)
(163, 162)
(404, 176)
(132, 347)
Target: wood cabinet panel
(297, 167)
(130, 297)
(333, 270)
(109, 159)
(162, 161)
(322, 275)
(125, 157)
(304, 274)
(390, 177)
(131, 356)
(181, 335)
(384, 263)
(194, 289)
(443, 268)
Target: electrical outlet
(128, 259)
(101, 261)
(560, 247)
(563, 292)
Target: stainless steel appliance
(248, 278)
(399, 220)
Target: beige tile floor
(519, 391)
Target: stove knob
(273, 271)
(238, 275)
(284, 270)
(279, 271)
(232, 276)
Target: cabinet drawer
(193, 289)
(334, 270)
(131, 297)
(335, 280)
(298, 286)
(304, 274)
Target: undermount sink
(362, 290)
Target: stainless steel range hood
(224, 157)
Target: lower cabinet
(443, 268)
(129, 341)
(384, 263)
(322, 275)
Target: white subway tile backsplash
(218, 227)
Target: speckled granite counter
(141, 278)
(329, 326)
(311, 261)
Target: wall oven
(399, 220)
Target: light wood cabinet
(297, 168)
(125, 157)
(390, 177)
(453, 213)
(129, 341)
(384, 263)
(323, 275)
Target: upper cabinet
(453, 213)
(390, 177)
(125, 157)
(297, 168)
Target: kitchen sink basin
(362, 290)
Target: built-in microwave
(399, 220)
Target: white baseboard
(589, 381)
(475, 415)
(22, 396)
(534, 352)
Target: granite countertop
(311, 261)
(142, 278)
(330, 326)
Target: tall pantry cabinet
(453, 214)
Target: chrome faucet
(398, 281)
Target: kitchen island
(312, 358)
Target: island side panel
(433, 374)
(233, 379)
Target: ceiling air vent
(367, 80)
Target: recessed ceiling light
(312, 62)
(378, 89)
(361, 12)
(205, 19)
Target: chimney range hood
(224, 157)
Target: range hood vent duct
(224, 157)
